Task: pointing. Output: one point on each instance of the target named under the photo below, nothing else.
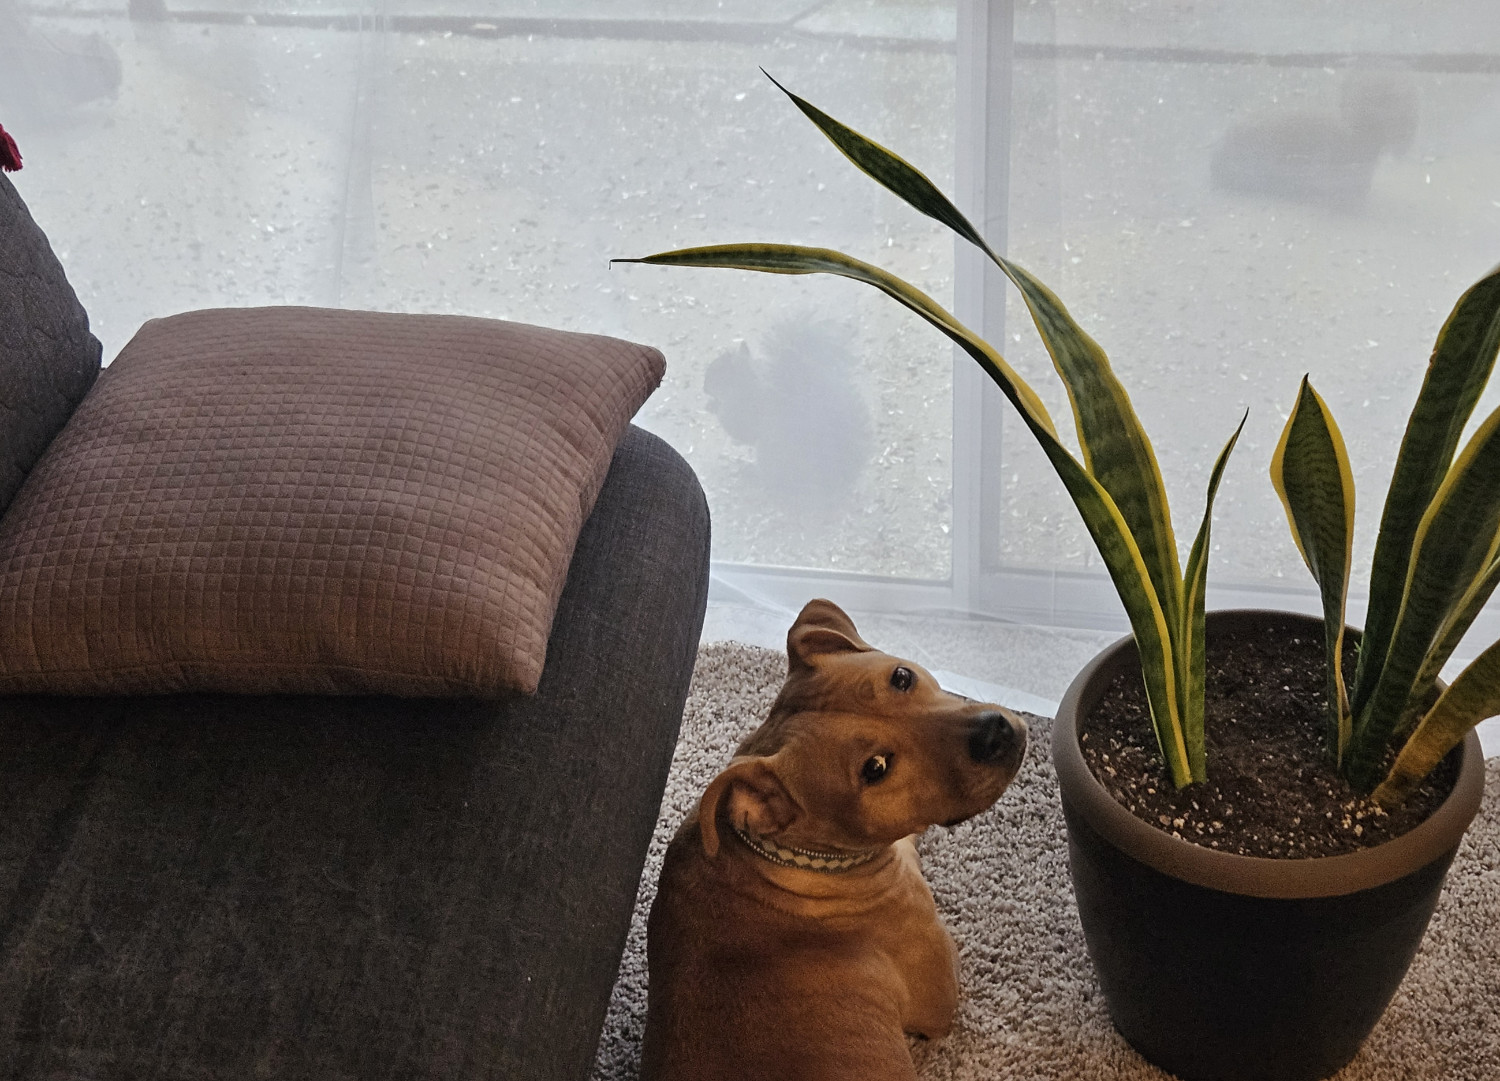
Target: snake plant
(1117, 487)
(1436, 562)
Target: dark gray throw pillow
(48, 358)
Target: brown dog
(793, 936)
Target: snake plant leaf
(1191, 664)
(1111, 436)
(1462, 360)
(1472, 697)
(1449, 556)
(1114, 443)
(1102, 517)
(1457, 625)
(796, 259)
(889, 169)
(1310, 469)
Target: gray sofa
(336, 887)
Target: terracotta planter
(1218, 967)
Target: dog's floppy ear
(755, 796)
(821, 628)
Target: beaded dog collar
(828, 863)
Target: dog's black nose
(991, 736)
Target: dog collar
(828, 863)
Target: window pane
(1227, 197)
(490, 158)
(816, 413)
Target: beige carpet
(1031, 1009)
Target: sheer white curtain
(1227, 196)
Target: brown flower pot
(1220, 967)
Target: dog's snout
(992, 736)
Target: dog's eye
(875, 768)
(902, 679)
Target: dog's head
(860, 749)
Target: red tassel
(10, 154)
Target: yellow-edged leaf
(887, 168)
(1114, 442)
(1191, 663)
(1310, 469)
(1115, 446)
(1453, 630)
(1472, 697)
(1462, 360)
(1449, 554)
(796, 259)
(1106, 525)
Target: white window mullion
(985, 45)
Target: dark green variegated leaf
(1310, 470)
(1472, 697)
(1101, 516)
(796, 259)
(1449, 553)
(1191, 662)
(1453, 630)
(890, 170)
(1114, 443)
(1460, 366)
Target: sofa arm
(618, 668)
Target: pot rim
(1256, 876)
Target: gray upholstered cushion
(48, 358)
(355, 889)
(314, 501)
